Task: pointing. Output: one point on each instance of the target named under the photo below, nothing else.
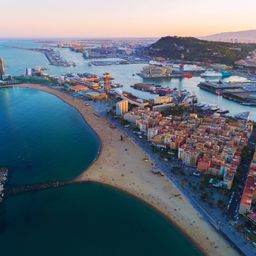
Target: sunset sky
(124, 18)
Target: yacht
(211, 74)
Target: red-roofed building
(249, 194)
(78, 88)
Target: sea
(43, 139)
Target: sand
(122, 164)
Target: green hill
(193, 49)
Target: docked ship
(211, 74)
(154, 71)
(145, 87)
(157, 71)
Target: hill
(193, 49)
(248, 36)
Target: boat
(223, 112)
(117, 85)
(211, 74)
(163, 91)
(205, 107)
(226, 74)
(188, 75)
(214, 108)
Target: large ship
(154, 71)
(157, 71)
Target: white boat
(211, 74)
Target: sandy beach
(122, 164)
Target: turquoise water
(17, 60)
(42, 138)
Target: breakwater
(37, 187)
(3, 180)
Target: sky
(124, 18)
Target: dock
(243, 93)
(54, 58)
(219, 87)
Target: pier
(54, 57)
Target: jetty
(54, 57)
(37, 187)
(3, 180)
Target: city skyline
(124, 19)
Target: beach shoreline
(122, 165)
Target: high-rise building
(121, 107)
(2, 69)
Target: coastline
(120, 164)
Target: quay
(109, 63)
(3, 180)
(54, 58)
(243, 93)
(219, 87)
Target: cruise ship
(153, 71)
(156, 71)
